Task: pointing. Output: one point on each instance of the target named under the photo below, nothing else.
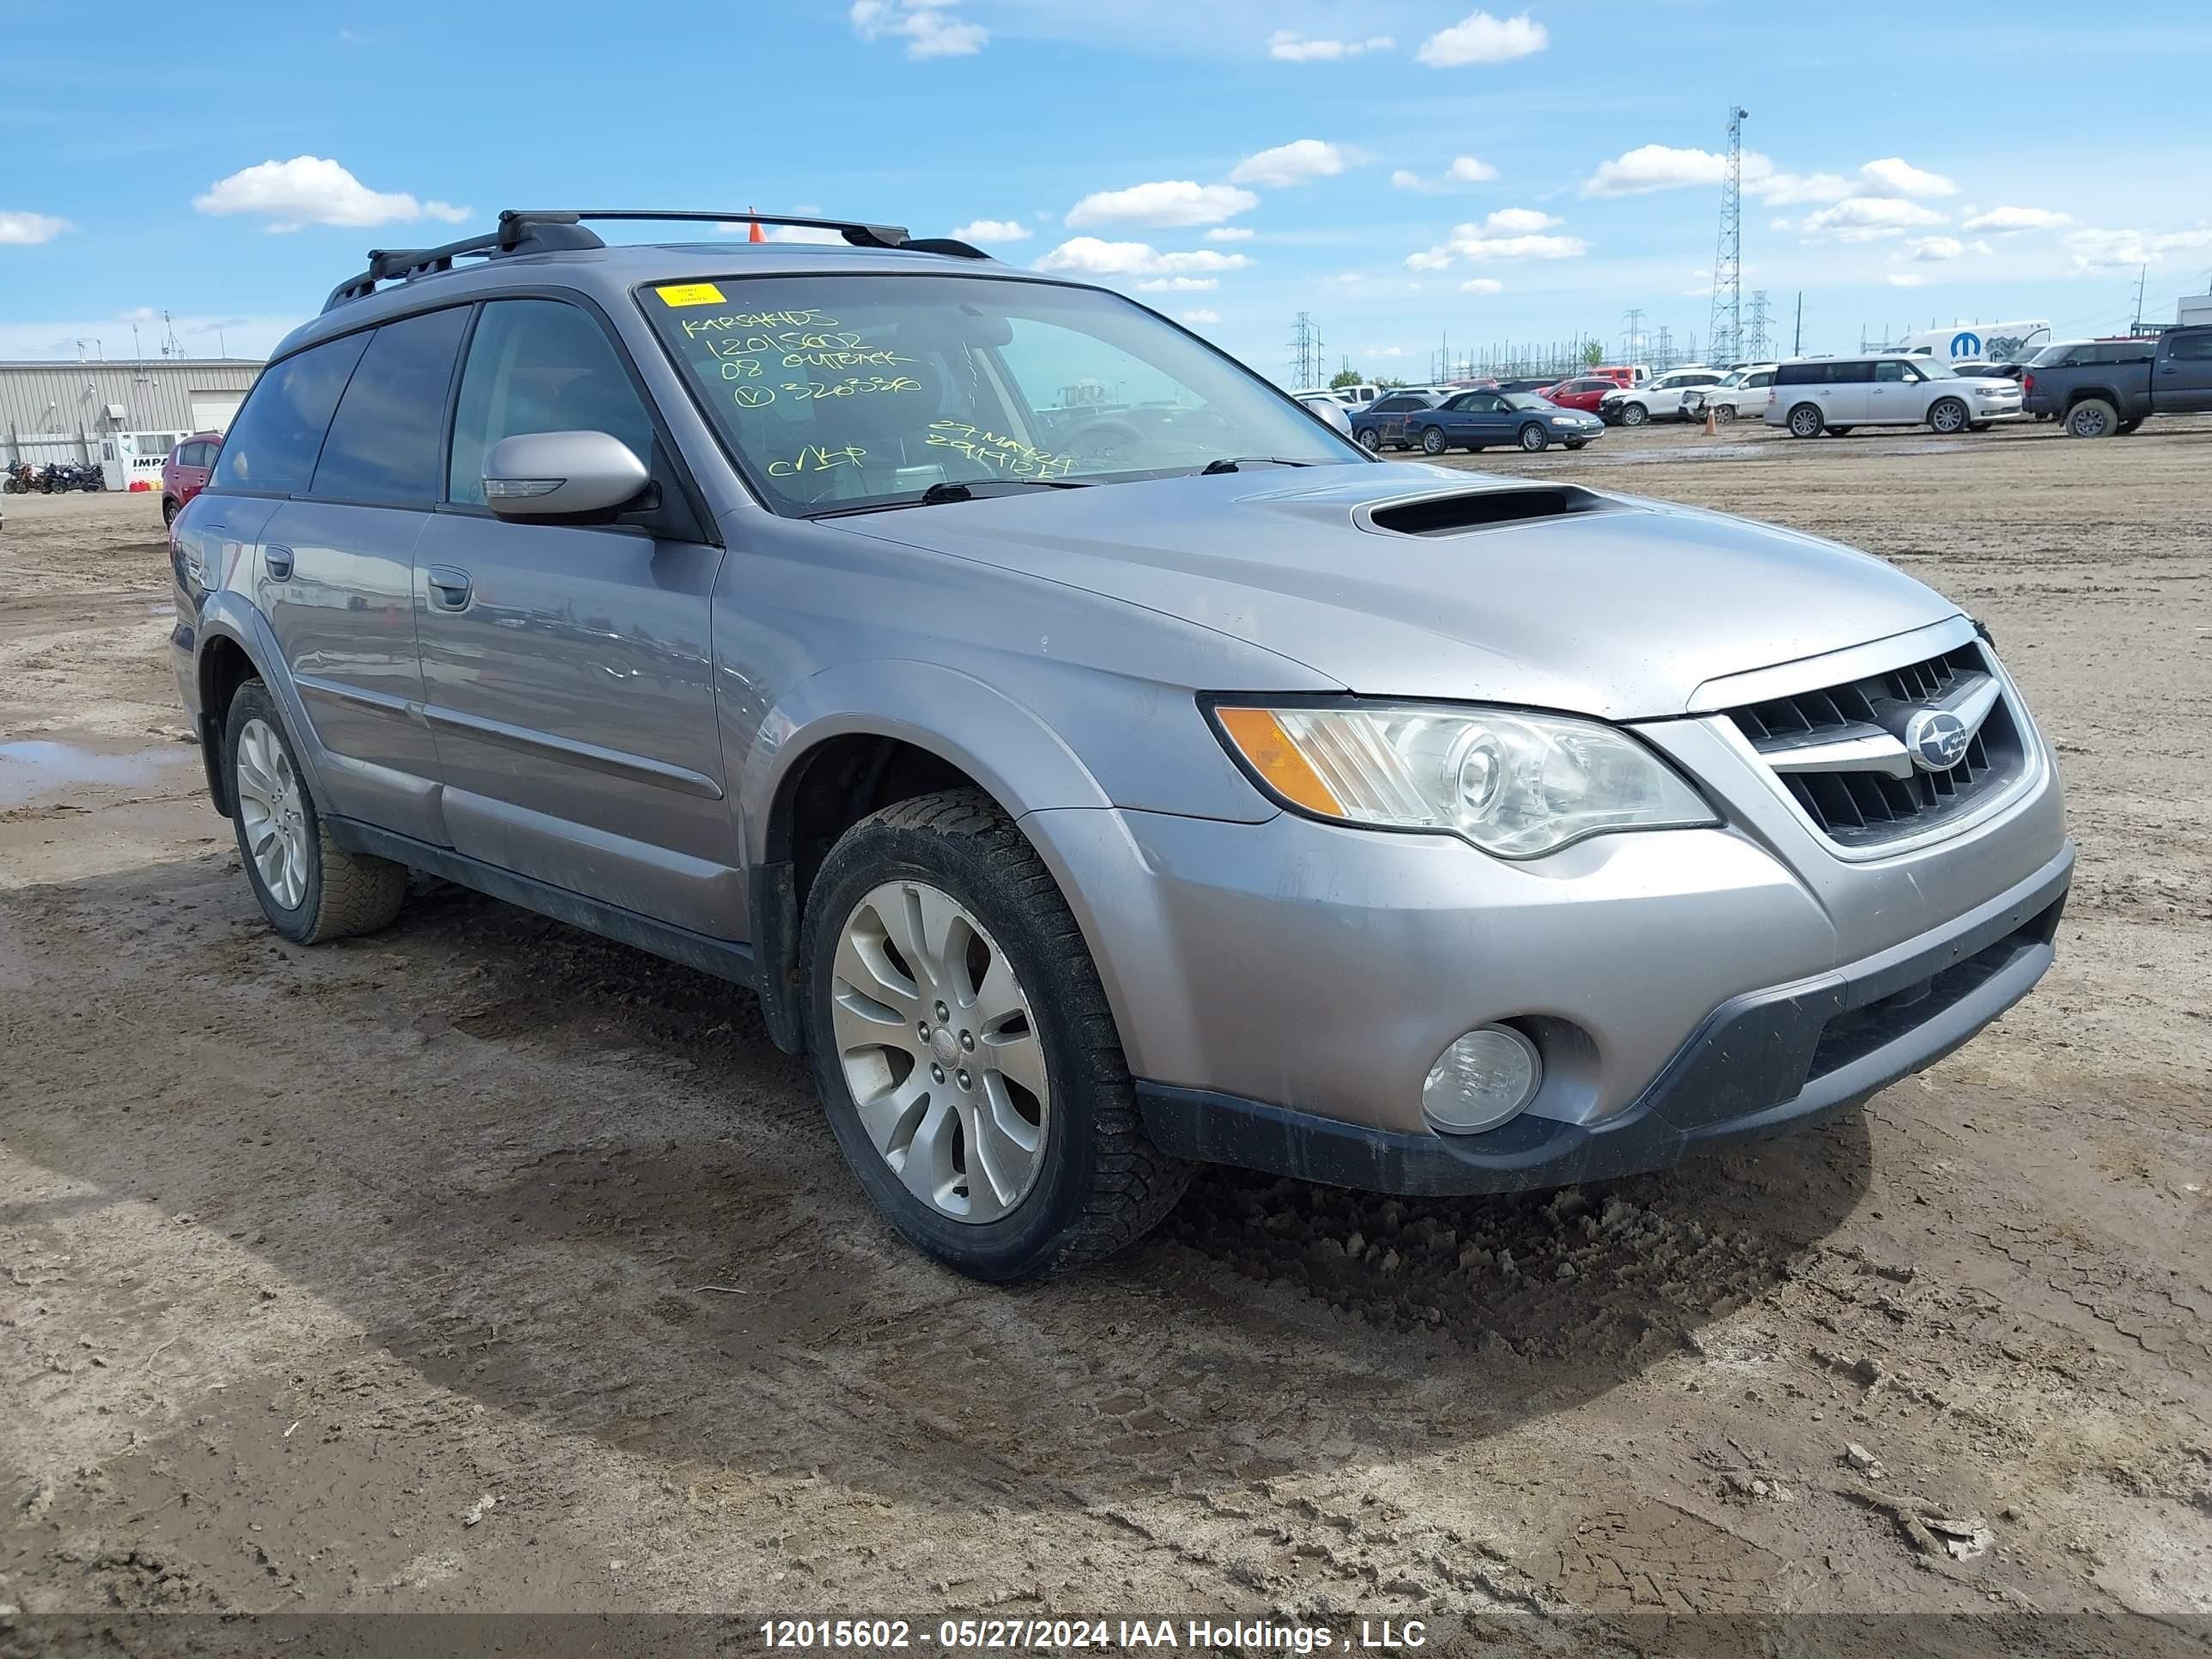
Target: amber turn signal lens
(1260, 737)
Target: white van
(1351, 397)
(1813, 395)
(1995, 343)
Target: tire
(1840, 432)
(333, 893)
(1432, 441)
(169, 510)
(1806, 421)
(1092, 1182)
(1947, 417)
(1534, 438)
(1724, 414)
(2092, 417)
(1371, 440)
(1578, 444)
(1634, 414)
(2128, 427)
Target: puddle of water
(37, 767)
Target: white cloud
(1287, 46)
(1899, 177)
(1478, 38)
(1508, 233)
(309, 190)
(1297, 163)
(2007, 220)
(29, 229)
(1382, 351)
(1179, 284)
(2101, 250)
(1228, 234)
(1655, 166)
(1201, 315)
(1867, 219)
(1930, 249)
(1482, 285)
(811, 234)
(928, 27)
(1791, 189)
(1910, 279)
(1168, 202)
(992, 230)
(1463, 170)
(1093, 258)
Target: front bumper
(1761, 1063)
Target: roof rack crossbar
(540, 230)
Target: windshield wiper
(938, 495)
(1232, 463)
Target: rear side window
(385, 443)
(272, 445)
(1800, 373)
(539, 366)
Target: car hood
(1620, 612)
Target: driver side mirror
(561, 475)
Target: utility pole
(1797, 338)
(1726, 326)
(2140, 276)
(1305, 349)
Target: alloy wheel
(272, 810)
(940, 1051)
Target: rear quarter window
(271, 448)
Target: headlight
(1515, 785)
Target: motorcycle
(21, 479)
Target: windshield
(1526, 400)
(835, 392)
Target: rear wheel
(2092, 417)
(1371, 440)
(1432, 441)
(310, 888)
(169, 510)
(965, 1053)
(1806, 421)
(1533, 437)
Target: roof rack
(523, 230)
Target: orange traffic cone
(1711, 429)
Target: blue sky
(1401, 169)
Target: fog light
(1481, 1080)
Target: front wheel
(964, 1050)
(1634, 414)
(1432, 441)
(1723, 413)
(1533, 437)
(1947, 416)
(1371, 440)
(1806, 421)
(310, 888)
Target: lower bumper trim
(1762, 1065)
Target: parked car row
(1473, 421)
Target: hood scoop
(1481, 509)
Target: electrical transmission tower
(1662, 348)
(1631, 336)
(1725, 330)
(1306, 367)
(1758, 346)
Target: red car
(187, 472)
(1582, 392)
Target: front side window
(834, 393)
(272, 445)
(2192, 348)
(385, 440)
(539, 366)
(1890, 371)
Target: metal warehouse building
(64, 411)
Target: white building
(66, 412)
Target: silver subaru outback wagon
(1093, 762)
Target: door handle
(277, 561)
(449, 588)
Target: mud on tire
(1101, 1184)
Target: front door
(1895, 396)
(2181, 381)
(567, 671)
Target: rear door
(568, 669)
(339, 560)
(2181, 379)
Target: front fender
(1022, 762)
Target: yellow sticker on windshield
(689, 294)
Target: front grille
(1863, 801)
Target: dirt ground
(482, 1265)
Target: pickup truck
(2094, 397)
